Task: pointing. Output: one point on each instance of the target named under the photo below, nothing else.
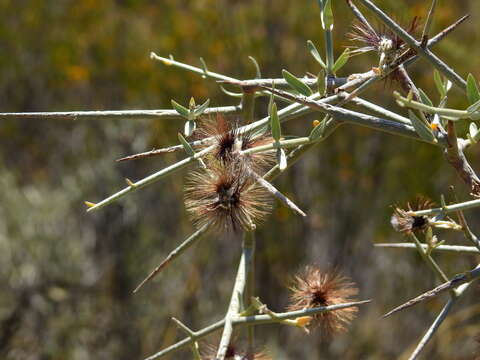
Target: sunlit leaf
(296, 84)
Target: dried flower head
(403, 222)
(226, 196)
(381, 41)
(234, 353)
(314, 288)
(229, 141)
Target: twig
(250, 289)
(273, 190)
(457, 159)
(438, 321)
(428, 23)
(149, 179)
(188, 331)
(456, 281)
(353, 117)
(448, 209)
(441, 248)
(431, 331)
(425, 52)
(237, 294)
(253, 320)
(191, 240)
(428, 259)
(115, 114)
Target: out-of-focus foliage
(67, 276)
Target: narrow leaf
(258, 73)
(424, 97)
(326, 15)
(342, 60)
(473, 129)
(321, 82)
(180, 109)
(296, 84)
(474, 107)
(189, 128)
(275, 123)
(318, 131)
(472, 90)
(281, 159)
(270, 102)
(316, 55)
(201, 109)
(188, 148)
(439, 83)
(422, 129)
(204, 68)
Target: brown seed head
(227, 197)
(405, 223)
(375, 41)
(228, 142)
(314, 288)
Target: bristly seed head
(315, 288)
(383, 40)
(229, 141)
(227, 197)
(405, 223)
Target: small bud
(303, 321)
(315, 123)
(129, 182)
(90, 204)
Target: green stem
(253, 320)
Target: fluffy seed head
(227, 197)
(314, 288)
(229, 141)
(405, 223)
(380, 41)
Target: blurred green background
(66, 276)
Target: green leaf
(189, 128)
(474, 107)
(281, 159)
(316, 55)
(424, 98)
(258, 73)
(342, 60)
(188, 148)
(270, 102)
(296, 84)
(472, 89)
(201, 109)
(318, 131)
(275, 123)
(326, 15)
(439, 83)
(180, 109)
(473, 129)
(204, 68)
(321, 82)
(422, 129)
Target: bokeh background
(66, 276)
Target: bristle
(314, 288)
(228, 142)
(227, 197)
